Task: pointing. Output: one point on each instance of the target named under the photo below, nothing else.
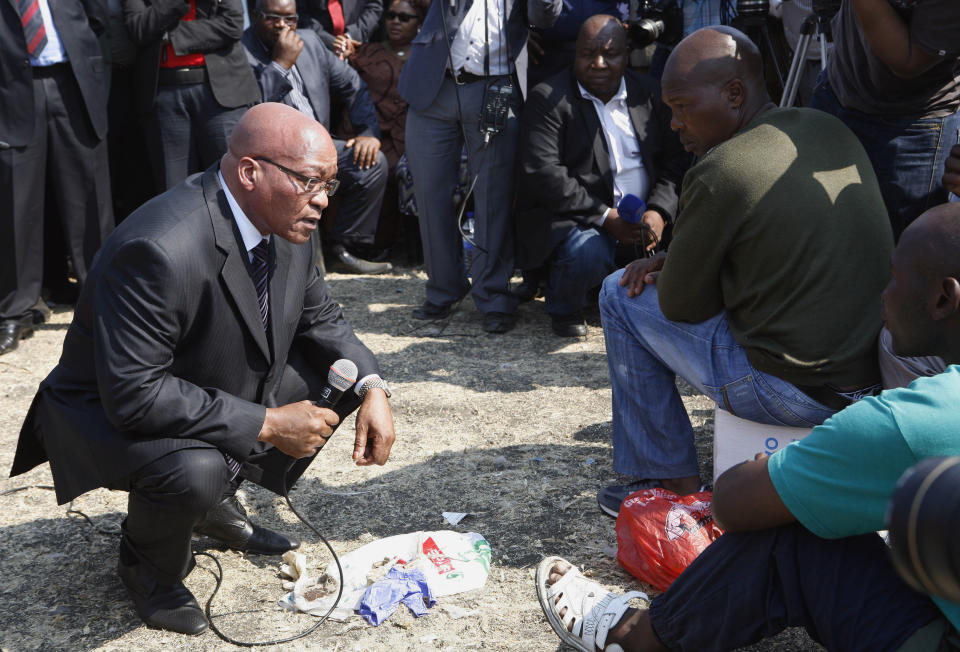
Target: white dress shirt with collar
(469, 44)
(630, 177)
(53, 51)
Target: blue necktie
(260, 274)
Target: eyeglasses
(286, 18)
(401, 16)
(311, 185)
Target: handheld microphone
(340, 378)
(631, 208)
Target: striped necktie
(261, 268)
(33, 30)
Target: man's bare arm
(744, 498)
(889, 38)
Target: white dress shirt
(630, 177)
(469, 44)
(53, 51)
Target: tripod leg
(793, 78)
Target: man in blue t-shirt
(801, 547)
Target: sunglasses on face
(401, 16)
(277, 18)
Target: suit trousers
(360, 195)
(435, 138)
(190, 131)
(66, 155)
(169, 496)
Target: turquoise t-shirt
(839, 479)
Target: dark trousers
(752, 585)
(169, 496)
(190, 131)
(66, 158)
(360, 197)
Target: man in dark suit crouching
(195, 345)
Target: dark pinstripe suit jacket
(167, 350)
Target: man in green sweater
(768, 299)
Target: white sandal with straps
(591, 609)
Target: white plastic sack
(453, 562)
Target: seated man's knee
(611, 287)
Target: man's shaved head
(604, 27)
(714, 55)
(274, 199)
(713, 83)
(922, 300)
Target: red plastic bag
(659, 533)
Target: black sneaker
(610, 498)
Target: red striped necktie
(33, 28)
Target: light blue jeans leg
(652, 436)
(579, 264)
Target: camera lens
(645, 31)
(753, 7)
(922, 520)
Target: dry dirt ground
(514, 429)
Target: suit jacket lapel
(594, 130)
(234, 271)
(640, 119)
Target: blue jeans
(907, 154)
(652, 435)
(577, 265)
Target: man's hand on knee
(375, 433)
(641, 273)
(298, 429)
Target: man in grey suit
(53, 126)
(293, 67)
(462, 56)
(195, 345)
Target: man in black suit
(589, 136)
(294, 68)
(203, 329)
(194, 84)
(53, 124)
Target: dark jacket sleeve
(367, 21)
(136, 333)
(97, 15)
(219, 27)
(347, 87)
(147, 23)
(545, 177)
(672, 162)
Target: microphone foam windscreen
(342, 374)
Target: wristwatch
(374, 383)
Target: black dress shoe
(228, 523)
(170, 607)
(571, 325)
(499, 322)
(432, 311)
(14, 330)
(342, 260)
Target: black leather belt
(464, 77)
(188, 75)
(51, 70)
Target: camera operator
(893, 80)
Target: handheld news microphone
(631, 208)
(340, 378)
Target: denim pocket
(741, 399)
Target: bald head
(713, 55)
(607, 28)
(932, 242)
(921, 303)
(275, 131)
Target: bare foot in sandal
(588, 617)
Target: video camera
(657, 20)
